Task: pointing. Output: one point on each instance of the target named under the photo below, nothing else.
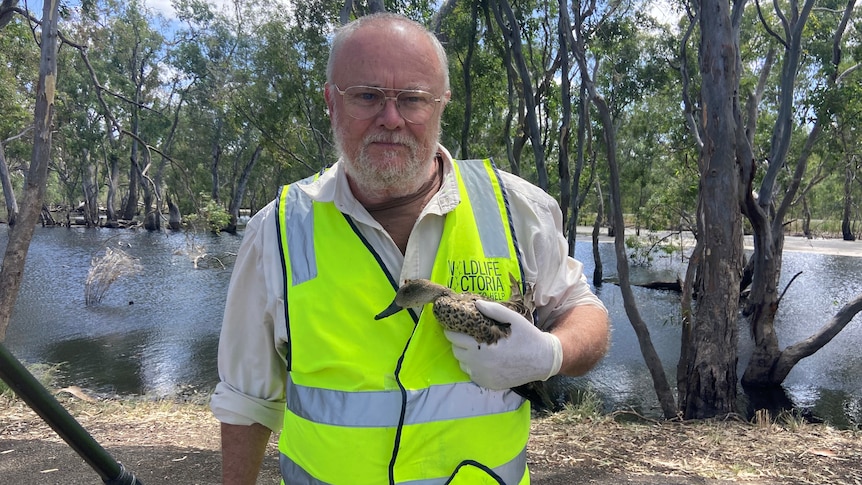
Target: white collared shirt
(251, 360)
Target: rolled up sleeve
(559, 283)
(252, 345)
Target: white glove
(527, 355)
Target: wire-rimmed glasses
(364, 102)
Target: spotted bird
(458, 312)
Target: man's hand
(527, 355)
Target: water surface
(156, 333)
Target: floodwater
(156, 333)
(153, 333)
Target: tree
(711, 346)
(651, 357)
(769, 364)
(21, 234)
(20, 61)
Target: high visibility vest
(377, 402)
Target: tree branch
(766, 26)
(796, 352)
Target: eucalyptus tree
(113, 83)
(709, 383)
(214, 54)
(12, 268)
(734, 147)
(289, 108)
(256, 78)
(19, 57)
(476, 122)
(849, 141)
(789, 26)
(588, 19)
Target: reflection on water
(153, 333)
(157, 332)
(828, 383)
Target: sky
(660, 9)
(161, 6)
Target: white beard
(388, 175)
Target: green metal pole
(40, 400)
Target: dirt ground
(178, 443)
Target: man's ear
(327, 95)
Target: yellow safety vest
(385, 402)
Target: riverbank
(792, 242)
(177, 443)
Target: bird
(457, 312)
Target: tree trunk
(651, 358)
(214, 163)
(113, 185)
(239, 193)
(175, 218)
(12, 269)
(511, 32)
(91, 191)
(468, 84)
(846, 228)
(566, 186)
(598, 269)
(512, 151)
(8, 192)
(711, 353)
(764, 368)
(130, 208)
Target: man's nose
(389, 115)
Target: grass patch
(47, 374)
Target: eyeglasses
(364, 102)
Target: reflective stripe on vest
(385, 401)
(477, 476)
(381, 408)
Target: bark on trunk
(91, 191)
(651, 358)
(846, 227)
(12, 269)
(113, 185)
(468, 83)
(130, 208)
(711, 352)
(239, 193)
(8, 193)
(175, 218)
(768, 364)
(598, 268)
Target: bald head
(391, 21)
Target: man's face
(385, 155)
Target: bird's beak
(390, 310)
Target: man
(396, 400)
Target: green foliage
(19, 59)
(581, 404)
(212, 217)
(219, 83)
(643, 249)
